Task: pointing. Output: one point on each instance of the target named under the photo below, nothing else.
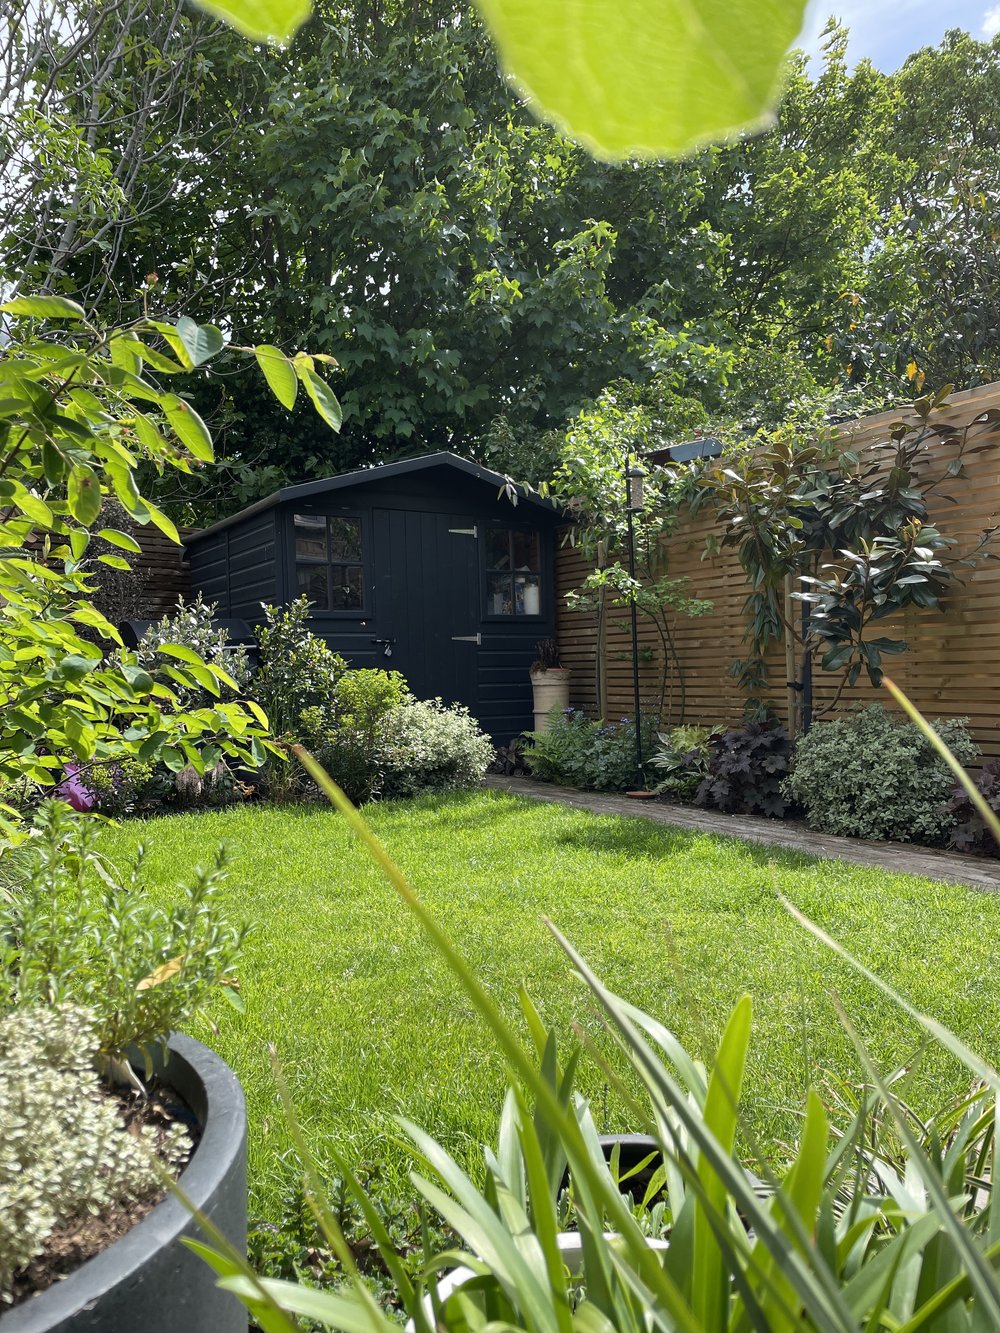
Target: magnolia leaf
(180, 651)
(84, 494)
(124, 354)
(323, 397)
(261, 20)
(44, 307)
(279, 373)
(148, 435)
(201, 341)
(646, 78)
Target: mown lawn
(368, 1022)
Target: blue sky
(886, 31)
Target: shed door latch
(466, 532)
(467, 638)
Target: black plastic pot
(148, 1282)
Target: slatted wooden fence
(167, 576)
(951, 670)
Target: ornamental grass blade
(815, 1287)
(801, 1192)
(709, 1286)
(268, 1317)
(950, 1040)
(981, 1276)
(972, 791)
(345, 1310)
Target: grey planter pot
(148, 1280)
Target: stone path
(951, 868)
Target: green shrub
(595, 756)
(296, 671)
(190, 626)
(968, 831)
(871, 775)
(352, 749)
(682, 760)
(65, 1152)
(432, 746)
(746, 771)
(72, 931)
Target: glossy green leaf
(189, 427)
(75, 666)
(646, 78)
(323, 397)
(165, 524)
(201, 341)
(279, 373)
(261, 20)
(44, 307)
(122, 540)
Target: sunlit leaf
(201, 341)
(279, 373)
(323, 397)
(646, 78)
(261, 20)
(44, 307)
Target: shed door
(427, 600)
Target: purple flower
(73, 791)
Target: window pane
(526, 551)
(498, 596)
(346, 587)
(310, 536)
(312, 581)
(527, 595)
(497, 548)
(345, 539)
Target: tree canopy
(377, 192)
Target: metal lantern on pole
(634, 477)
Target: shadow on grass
(629, 835)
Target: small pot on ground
(147, 1279)
(549, 682)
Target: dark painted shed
(424, 566)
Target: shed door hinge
(467, 638)
(466, 532)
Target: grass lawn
(368, 1022)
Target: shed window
(328, 562)
(513, 572)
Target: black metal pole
(635, 628)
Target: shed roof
(429, 463)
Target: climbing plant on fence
(591, 482)
(852, 528)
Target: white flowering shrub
(191, 627)
(432, 746)
(65, 1152)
